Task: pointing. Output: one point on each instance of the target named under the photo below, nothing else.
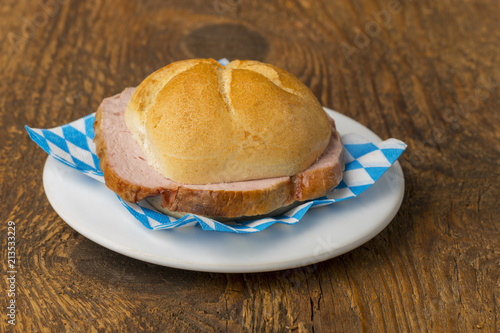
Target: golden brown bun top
(199, 122)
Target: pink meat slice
(128, 174)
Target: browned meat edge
(221, 203)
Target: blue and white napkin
(72, 144)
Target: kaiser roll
(199, 122)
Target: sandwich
(243, 140)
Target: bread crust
(216, 201)
(199, 122)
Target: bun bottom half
(156, 202)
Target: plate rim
(157, 259)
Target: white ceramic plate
(323, 233)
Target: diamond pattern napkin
(72, 144)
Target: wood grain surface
(426, 72)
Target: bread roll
(199, 122)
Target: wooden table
(426, 72)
